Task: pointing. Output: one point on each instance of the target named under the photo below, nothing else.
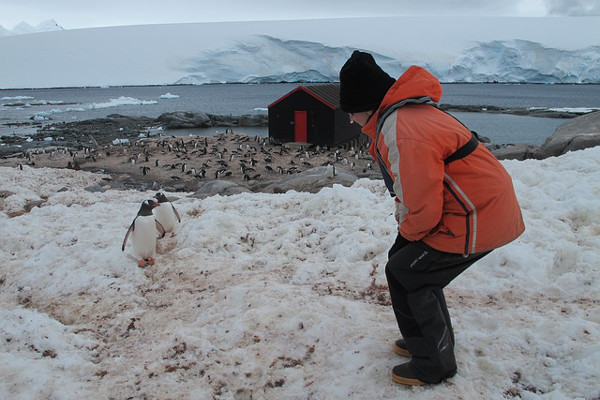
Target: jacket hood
(413, 83)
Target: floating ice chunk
(575, 109)
(169, 96)
(121, 101)
(17, 98)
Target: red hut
(311, 114)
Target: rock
(95, 189)
(31, 204)
(183, 120)
(311, 180)
(175, 187)
(220, 187)
(577, 134)
(3, 195)
(520, 151)
(254, 120)
(6, 193)
(242, 120)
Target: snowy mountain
(524, 61)
(457, 50)
(268, 59)
(24, 28)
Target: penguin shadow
(166, 244)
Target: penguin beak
(155, 204)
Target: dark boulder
(576, 134)
(185, 120)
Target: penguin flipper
(160, 229)
(176, 213)
(131, 229)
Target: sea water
(75, 104)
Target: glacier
(267, 59)
(525, 61)
(532, 50)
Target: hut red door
(300, 127)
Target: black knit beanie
(363, 84)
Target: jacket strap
(463, 150)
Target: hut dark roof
(330, 93)
(326, 93)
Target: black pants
(416, 275)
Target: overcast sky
(72, 14)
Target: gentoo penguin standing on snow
(166, 214)
(143, 231)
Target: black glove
(398, 244)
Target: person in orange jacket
(454, 201)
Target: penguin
(166, 214)
(143, 231)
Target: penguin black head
(161, 197)
(146, 207)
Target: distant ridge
(23, 28)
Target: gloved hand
(398, 245)
(400, 210)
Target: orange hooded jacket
(467, 206)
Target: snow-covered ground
(263, 296)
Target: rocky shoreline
(125, 149)
(115, 126)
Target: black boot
(432, 361)
(401, 349)
(403, 375)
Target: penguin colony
(230, 156)
(191, 161)
(155, 218)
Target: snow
(454, 49)
(272, 296)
